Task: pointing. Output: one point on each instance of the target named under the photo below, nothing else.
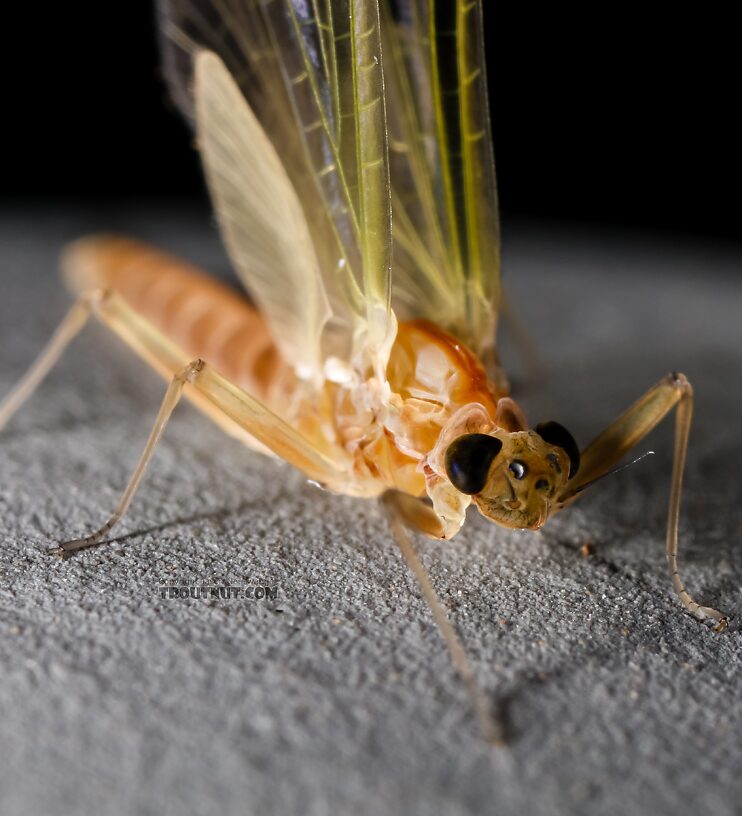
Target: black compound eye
(468, 461)
(555, 434)
(518, 469)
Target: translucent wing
(311, 71)
(446, 228)
(260, 216)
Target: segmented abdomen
(204, 317)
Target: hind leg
(171, 399)
(67, 330)
(223, 401)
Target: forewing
(446, 233)
(260, 217)
(312, 73)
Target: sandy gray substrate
(339, 696)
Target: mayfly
(368, 360)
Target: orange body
(431, 374)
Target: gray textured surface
(340, 695)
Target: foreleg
(609, 447)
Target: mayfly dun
(366, 357)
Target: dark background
(620, 116)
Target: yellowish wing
(260, 217)
(312, 73)
(446, 225)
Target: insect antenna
(618, 469)
(493, 730)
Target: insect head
(515, 479)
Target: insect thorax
(396, 434)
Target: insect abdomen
(202, 316)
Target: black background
(622, 115)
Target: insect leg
(416, 514)
(225, 403)
(609, 447)
(233, 409)
(171, 399)
(400, 511)
(70, 326)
